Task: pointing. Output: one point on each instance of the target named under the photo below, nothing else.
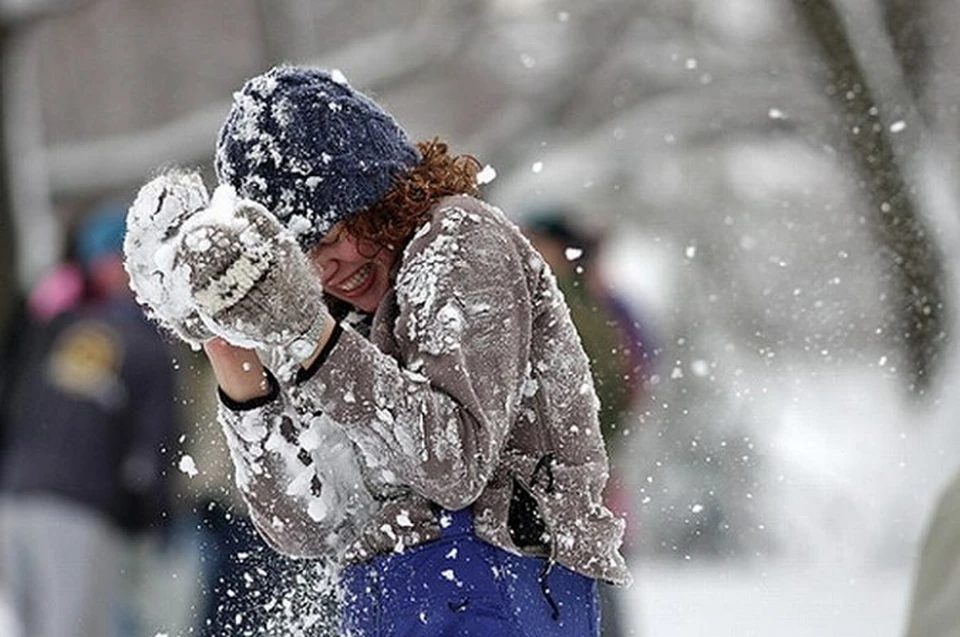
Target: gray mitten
(249, 279)
(154, 222)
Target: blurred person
(934, 609)
(90, 420)
(401, 387)
(620, 354)
(57, 290)
(60, 290)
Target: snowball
(486, 175)
(187, 465)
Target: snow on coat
(472, 383)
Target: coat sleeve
(435, 417)
(298, 474)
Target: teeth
(351, 284)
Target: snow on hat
(310, 148)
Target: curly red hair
(392, 220)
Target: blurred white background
(778, 180)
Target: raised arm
(298, 475)
(438, 413)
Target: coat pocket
(525, 521)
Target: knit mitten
(154, 222)
(248, 278)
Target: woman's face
(355, 272)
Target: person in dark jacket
(401, 385)
(621, 357)
(91, 419)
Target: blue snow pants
(461, 586)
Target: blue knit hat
(310, 148)
(101, 233)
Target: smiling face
(352, 271)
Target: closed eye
(331, 237)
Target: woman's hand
(239, 372)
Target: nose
(325, 263)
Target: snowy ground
(7, 627)
(767, 601)
(756, 601)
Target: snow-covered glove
(154, 222)
(249, 279)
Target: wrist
(273, 390)
(323, 337)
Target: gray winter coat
(471, 389)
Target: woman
(401, 386)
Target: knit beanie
(310, 148)
(101, 233)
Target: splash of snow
(487, 175)
(187, 465)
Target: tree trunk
(910, 250)
(910, 32)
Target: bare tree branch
(88, 167)
(914, 259)
(20, 11)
